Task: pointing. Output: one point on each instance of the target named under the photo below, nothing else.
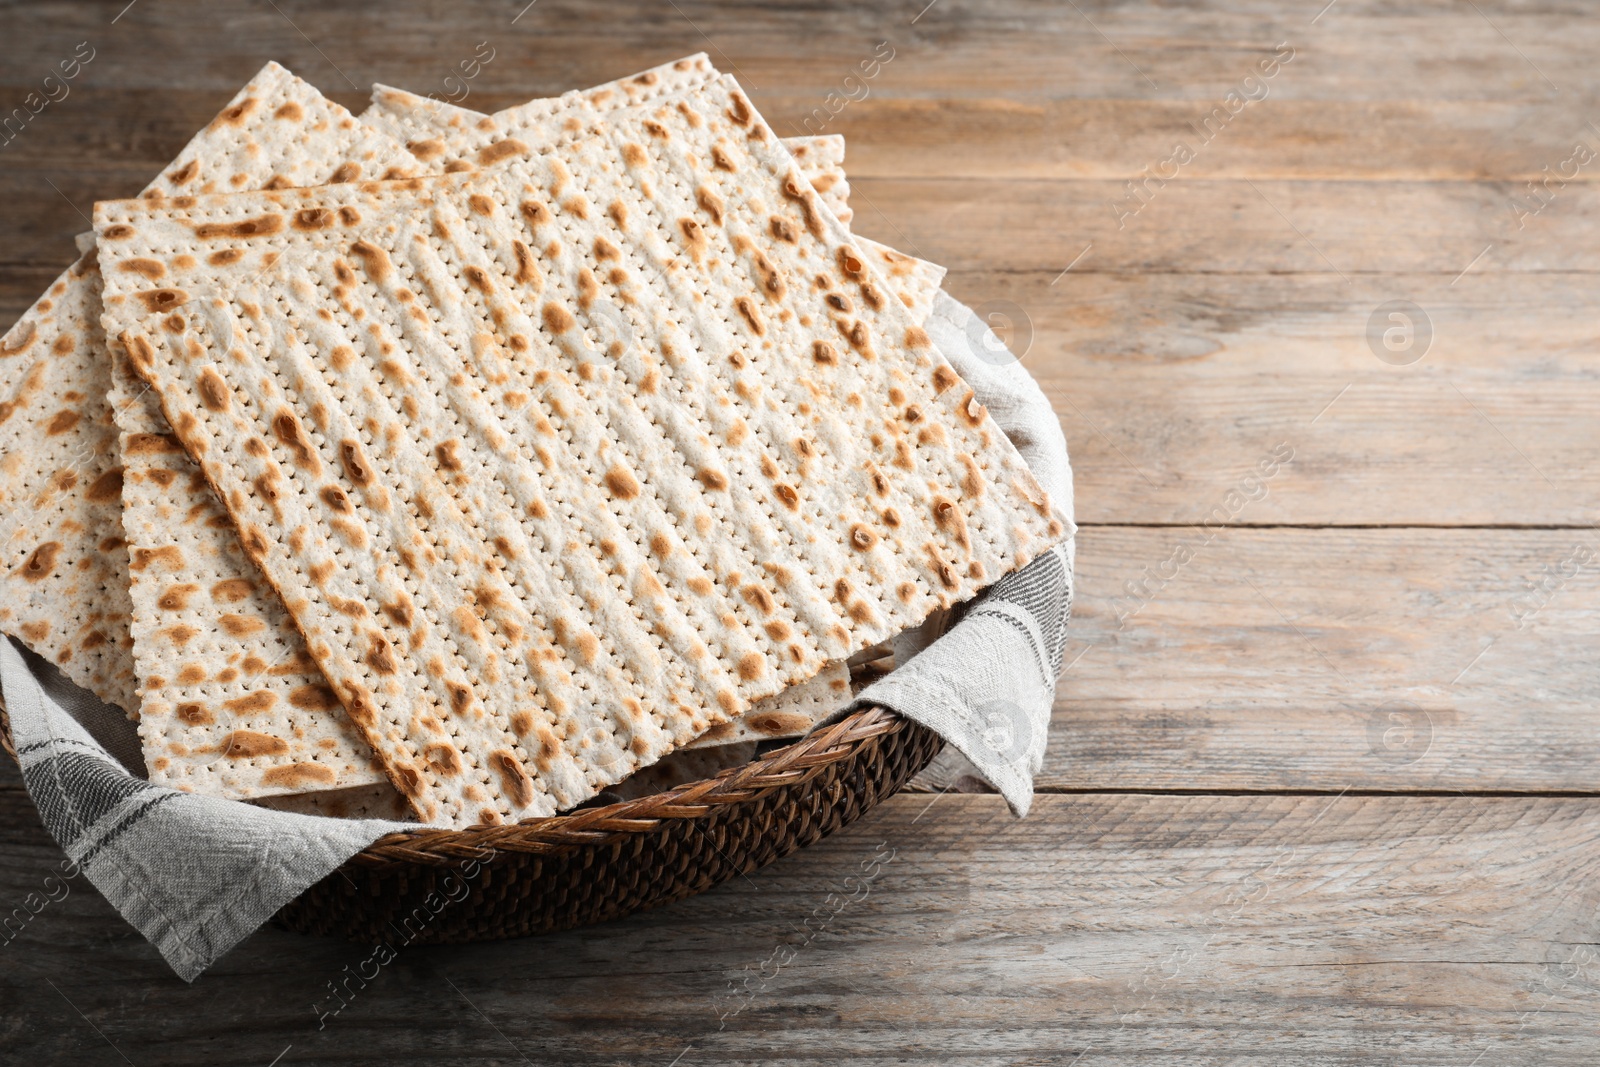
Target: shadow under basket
(601, 863)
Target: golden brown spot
(710, 203)
(621, 482)
(254, 542)
(106, 488)
(290, 112)
(778, 723)
(354, 463)
(426, 150)
(787, 494)
(409, 782)
(759, 598)
(401, 612)
(739, 108)
(445, 453)
(477, 277)
(514, 780)
(156, 301)
(248, 744)
(700, 585)
(41, 562)
(752, 665)
(299, 777)
(195, 715)
(141, 557)
(252, 703)
(862, 537)
(972, 411)
(262, 226)
(860, 337)
(176, 598)
(634, 155)
(231, 591)
(117, 231)
(443, 759)
(536, 213)
(493, 153)
(214, 392)
(557, 319)
(480, 204)
(824, 353)
(181, 635)
(314, 697)
(312, 218)
(235, 115)
(224, 256)
(149, 268)
(797, 189)
(286, 427)
(61, 422)
(695, 235)
(242, 625)
(380, 655)
(747, 308)
(374, 260)
(712, 479)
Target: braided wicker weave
(601, 863)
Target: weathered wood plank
(1197, 225)
(1017, 50)
(1330, 659)
(1149, 929)
(991, 137)
(1171, 387)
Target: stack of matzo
(494, 457)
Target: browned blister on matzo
(558, 465)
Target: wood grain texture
(1285, 659)
(1394, 611)
(1145, 929)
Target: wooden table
(1323, 783)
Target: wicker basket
(601, 863)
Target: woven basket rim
(792, 764)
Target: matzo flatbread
(528, 576)
(454, 138)
(63, 566)
(234, 705)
